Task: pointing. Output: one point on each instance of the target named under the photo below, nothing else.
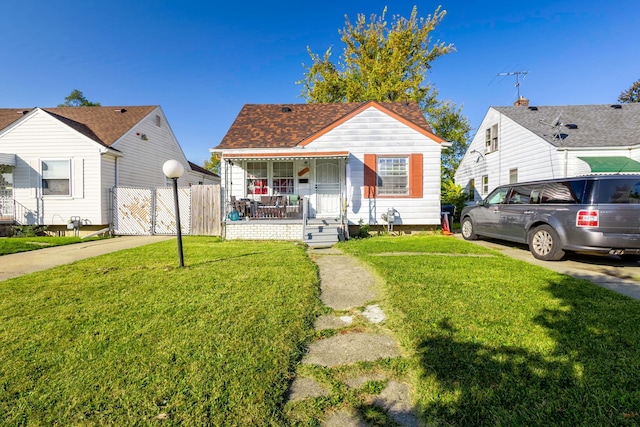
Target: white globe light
(173, 169)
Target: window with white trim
(56, 177)
(282, 178)
(485, 184)
(491, 139)
(393, 176)
(257, 178)
(513, 176)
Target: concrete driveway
(607, 271)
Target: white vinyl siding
(520, 149)
(41, 137)
(374, 132)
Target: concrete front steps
(322, 233)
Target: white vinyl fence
(147, 211)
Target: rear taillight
(588, 218)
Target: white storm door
(327, 187)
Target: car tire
(468, 233)
(630, 257)
(544, 243)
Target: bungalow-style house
(525, 143)
(59, 163)
(291, 171)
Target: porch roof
(7, 159)
(287, 155)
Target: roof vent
(533, 108)
(23, 112)
(571, 126)
(121, 110)
(286, 109)
(616, 106)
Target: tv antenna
(517, 74)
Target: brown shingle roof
(104, 125)
(10, 115)
(287, 125)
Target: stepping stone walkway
(348, 286)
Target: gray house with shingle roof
(58, 163)
(351, 163)
(526, 142)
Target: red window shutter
(369, 176)
(415, 178)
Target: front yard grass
(497, 341)
(130, 338)
(12, 245)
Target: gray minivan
(592, 214)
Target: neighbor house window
(485, 184)
(56, 177)
(282, 178)
(393, 176)
(491, 139)
(472, 189)
(257, 178)
(6, 181)
(513, 176)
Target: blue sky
(202, 61)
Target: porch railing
(266, 207)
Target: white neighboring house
(62, 162)
(525, 143)
(352, 162)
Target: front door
(327, 188)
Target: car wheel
(544, 243)
(630, 257)
(467, 229)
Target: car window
(497, 197)
(520, 194)
(623, 190)
(563, 192)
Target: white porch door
(327, 188)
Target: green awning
(613, 164)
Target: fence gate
(147, 211)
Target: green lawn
(496, 341)
(130, 338)
(12, 245)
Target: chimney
(521, 102)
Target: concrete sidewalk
(351, 292)
(29, 262)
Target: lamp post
(174, 170)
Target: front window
(485, 184)
(282, 178)
(56, 177)
(393, 176)
(257, 178)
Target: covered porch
(279, 193)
